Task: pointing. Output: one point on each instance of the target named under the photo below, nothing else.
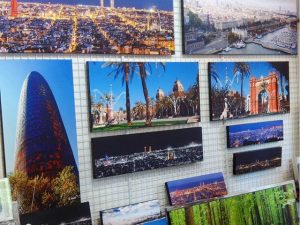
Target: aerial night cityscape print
(194, 189)
(129, 95)
(77, 214)
(129, 153)
(232, 27)
(254, 133)
(131, 214)
(276, 205)
(39, 130)
(246, 162)
(243, 89)
(143, 27)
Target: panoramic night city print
(144, 27)
(254, 133)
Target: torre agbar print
(144, 27)
(39, 133)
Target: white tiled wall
(131, 188)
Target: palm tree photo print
(128, 95)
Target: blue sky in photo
(58, 74)
(194, 181)
(186, 73)
(139, 4)
(257, 69)
(254, 126)
(162, 221)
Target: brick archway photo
(264, 94)
(243, 89)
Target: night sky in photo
(259, 155)
(134, 143)
(254, 126)
(139, 4)
(194, 181)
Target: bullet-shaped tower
(42, 144)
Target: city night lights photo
(232, 27)
(144, 27)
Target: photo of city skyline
(121, 154)
(247, 162)
(144, 27)
(77, 214)
(39, 130)
(197, 188)
(254, 133)
(243, 89)
(129, 95)
(131, 214)
(233, 27)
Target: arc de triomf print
(243, 89)
(116, 155)
(39, 131)
(144, 27)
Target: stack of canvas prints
(246, 27)
(128, 95)
(194, 189)
(245, 162)
(144, 27)
(275, 205)
(39, 133)
(6, 210)
(254, 133)
(77, 214)
(242, 89)
(122, 154)
(131, 214)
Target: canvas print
(197, 188)
(254, 133)
(129, 95)
(77, 214)
(243, 89)
(6, 209)
(131, 214)
(246, 162)
(276, 205)
(161, 221)
(144, 27)
(239, 28)
(40, 133)
(130, 153)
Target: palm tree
(143, 74)
(126, 69)
(107, 98)
(283, 73)
(214, 74)
(244, 71)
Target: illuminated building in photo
(42, 144)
